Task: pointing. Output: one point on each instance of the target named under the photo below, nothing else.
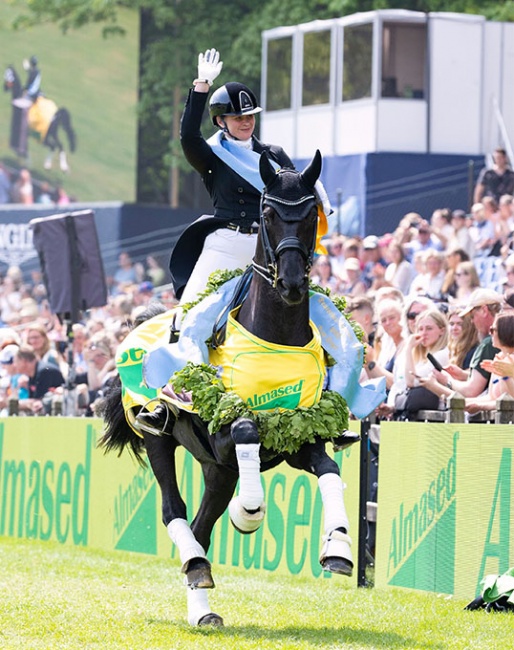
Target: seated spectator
(322, 274)
(454, 256)
(463, 339)
(336, 254)
(408, 393)
(154, 271)
(483, 306)
(42, 378)
(482, 231)
(371, 259)
(36, 336)
(467, 280)
(380, 361)
(351, 284)
(441, 224)
(101, 369)
(430, 283)
(502, 332)
(462, 238)
(399, 271)
(505, 223)
(412, 308)
(5, 186)
(508, 282)
(22, 190)
(423, 240)
(360, 309)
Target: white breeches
(223, 249)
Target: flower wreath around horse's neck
(282, 431)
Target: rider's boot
(156, 421)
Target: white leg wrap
(197, 605)
(251, 494)
(242, 519)
(334, 512)
(183, 538)
(335, 542)
(63, 162)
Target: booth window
(404, 48)
(357, 61)
(316, 68)
(278, 74)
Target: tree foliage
(174, 31)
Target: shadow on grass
(319, 636)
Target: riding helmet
(33, 61)
(232, 99)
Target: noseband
(282, 207)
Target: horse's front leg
(248, 508)
(336, 553)
(161, 454)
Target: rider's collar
(244, 144)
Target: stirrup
(147, 427)
(345, 439)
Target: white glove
(209, 66)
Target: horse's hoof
(211, 619)
(200, 577)
(337, 565)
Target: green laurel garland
(282, 431)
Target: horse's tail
(118, 433)
(64, 119)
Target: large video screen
(86, 105)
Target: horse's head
(287, 235)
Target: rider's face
(240, 127)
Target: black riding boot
(156, 421)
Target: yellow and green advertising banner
(444, 506)
(55, 484)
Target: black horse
(43, 117)
(276, 310)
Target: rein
(270, 271)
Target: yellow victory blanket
(269, 376)
(40, 115)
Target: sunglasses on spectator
(411, 315)
(461, 273)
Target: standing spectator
(23, 191)
(482, 231)
(5, 186)
(496, 181)
(467, 280)
(399, 271)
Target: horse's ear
(266, 169)
(311, 173)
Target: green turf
(96, 80)
(53, 597)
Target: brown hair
(468, 339)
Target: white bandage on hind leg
(182, 536)
(251, 494)
(197, 605)
(334, 512)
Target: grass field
(96, 80)
(54, 597)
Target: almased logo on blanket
(284, 397)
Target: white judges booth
(391, 81)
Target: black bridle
(281, 206)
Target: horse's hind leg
(336, 554)
(247, 509)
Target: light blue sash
(337, 338)
(244, 162)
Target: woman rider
(229, 166)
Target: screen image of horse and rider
(95, 79)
